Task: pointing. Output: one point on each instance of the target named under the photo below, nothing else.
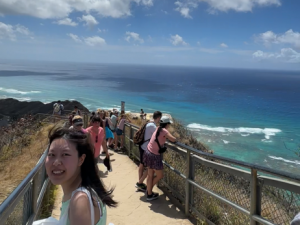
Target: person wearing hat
(153, 155)
(77, 122)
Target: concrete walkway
(133, 209)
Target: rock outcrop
(15, 109)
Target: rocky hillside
(15, 109)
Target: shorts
(108, 133)
(153, 161)
(141, 155)
(119, 132)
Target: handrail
(11, 201)
(233, 161)
(204, 181)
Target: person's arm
(109, 121)
(80, 211)
(104, 146)
(170, 137)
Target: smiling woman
(70, 163)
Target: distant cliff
(15, 109)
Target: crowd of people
(74, 153)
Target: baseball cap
(165, 119)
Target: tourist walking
(97, 135)
(58, 108)
(153, 155)
(149, 130)
(91, 117)
(113, 127)
(71, 116)
(70, 163)
(120, 129)
(77, 122)
(109, 136)
(77, 111)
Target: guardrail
(23, 204)
(220, 190)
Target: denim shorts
(119, 132)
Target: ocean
(244, 114)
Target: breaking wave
(14, 91)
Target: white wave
(245, 135)
(23, 99)
(243, 130)
(14, 91)
(225, 142)
(285, 160)
(266, 140)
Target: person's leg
(122, 141)
(150, 181)
(144, 175)
(159, 175)
(115, 141)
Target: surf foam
(14, 91)
(242, 130)
(285, 160)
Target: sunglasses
(96, 139)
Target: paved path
(133, 209)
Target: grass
(48, 202)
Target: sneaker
(103, 153)
(153, 196)
(141, 187)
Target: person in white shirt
(150, 128)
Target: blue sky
(218, 33)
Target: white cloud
(128, 25)
(55, 9)
(185, 6)
(177, 40)
(89, 20)
(210, 50)
(133, 36)
(74, 37)
(289, 37)
(223, 45)
(67, 22)
(95, 41)
(11, 32)
(41, 24)
(198, 43)
(285, 55)
(102, 31)
(165, 12)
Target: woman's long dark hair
(161, 126)
(89, 171)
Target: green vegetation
(48, 202)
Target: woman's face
(77, 127)
(96, 124)
(62, 162)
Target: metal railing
(220, 190)
(23, 204)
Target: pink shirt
(96, 136)
(153, 146)
(121, 124)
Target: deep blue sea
(249, 115)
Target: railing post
(85, 120)
(253, 198)
(130, 142)
(35, 194)
(187, 184)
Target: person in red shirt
(153, 155)
(97, 135)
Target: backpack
(139, 136)
(57, 108)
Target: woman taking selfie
(70, 163)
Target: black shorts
(141, 155)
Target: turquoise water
(248, 115)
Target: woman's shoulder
(165, 131)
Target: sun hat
(165, 119)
